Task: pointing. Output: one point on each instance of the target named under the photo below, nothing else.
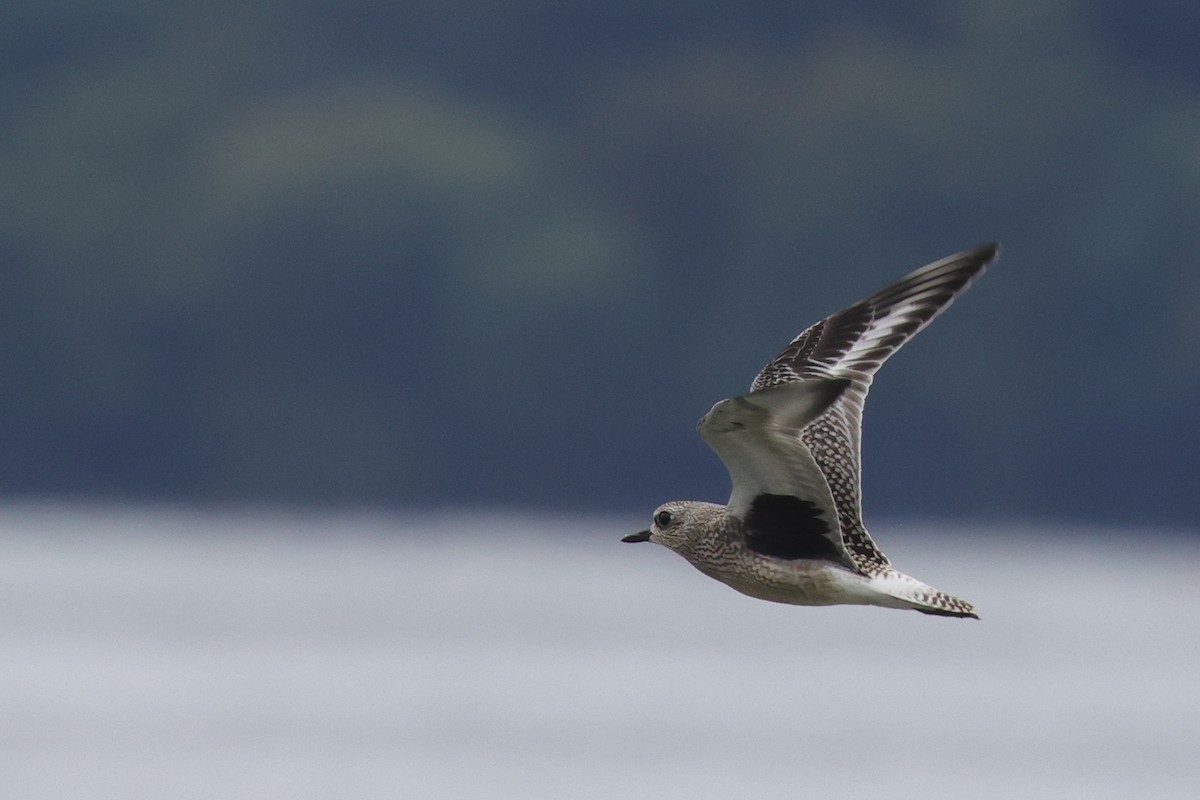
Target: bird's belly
(804, 582)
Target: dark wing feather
(784, 526)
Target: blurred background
(478, 254)
(340, 342)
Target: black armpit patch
(784, 526)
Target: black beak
(640, 536)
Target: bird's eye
(662, 519)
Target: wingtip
(988, 252)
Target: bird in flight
(792, 531)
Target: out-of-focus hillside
(452, 253)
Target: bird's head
(678, 524)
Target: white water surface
(152, 654)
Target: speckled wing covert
(798, 430)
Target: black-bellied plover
(792, 531)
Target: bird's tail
(912, 593)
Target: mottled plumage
(792, 531)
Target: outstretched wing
(854, 342)
(757, 437)
(815, 455)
